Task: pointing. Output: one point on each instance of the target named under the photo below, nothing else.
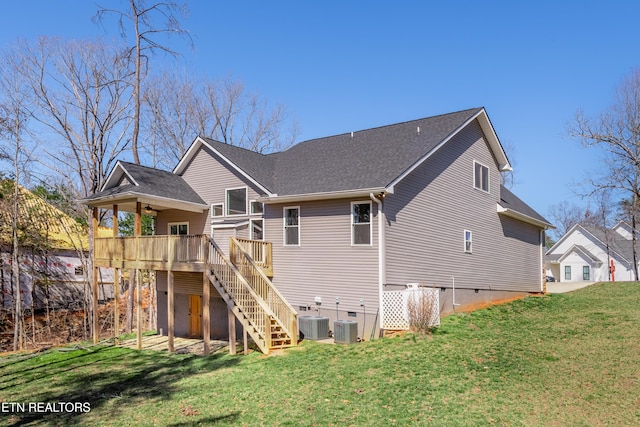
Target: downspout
(382, 259)
(543, 277)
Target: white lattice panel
(395, 312)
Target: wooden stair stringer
(244, 320)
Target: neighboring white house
(584, 254)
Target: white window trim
(284, 226)
(251, 202)
(464, 243)
(251, 221)
(177, 223)
(488, 177)
(351, 216)
(246, 203)
(217, 216)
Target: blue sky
(341, 66)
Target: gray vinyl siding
(436, 203)
(210, 177)
(325, 264)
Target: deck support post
(137, 233)
(245, 341)
(116, 283)
(232, 332)
(95, 277)
(139, 306)
(170, 313)
(206, 314)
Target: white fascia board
(228, 225)
(487, 129)
(132, 196)
(191, 152)
(565, 237)
(524, 218)
(113, 177)
(585, 254)
(493, 140)
(345, 194)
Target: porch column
(170, 313)
(206, 314)
(232, 331)
(116, 282)
(137, 233)
(95, 277)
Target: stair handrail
(274, 299)
(264, 328)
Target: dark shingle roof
(370, 158)
(508, 200)
(620, 245)
(153, 182)
(256, 165)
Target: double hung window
(361, 223)
(292, 226)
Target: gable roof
(620, 247)
(580, 250)
(149, 185)
(371, 160)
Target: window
(256, 208)
(480, 176)
(585, 272)
(178, 228)
(237, 201)
(292, 226)
(217, 209)
(467, 241)
(567, 272)
(361, 223)
(256, 229)
(78, 271)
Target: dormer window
(480, 176)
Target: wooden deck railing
(151, 249)
(255, 311)
(284, 313)
(261, 252)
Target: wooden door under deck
(195, 316)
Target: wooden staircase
(266, 316)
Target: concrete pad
(564, 287)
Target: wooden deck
(181, 345)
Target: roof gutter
(524, 218)
(345, 194)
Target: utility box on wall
(345, 331)
(314, 327)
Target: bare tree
(180, 108)
(15, 112)
(82, 96)
(565, 215)
(616, 131)
(141, 18)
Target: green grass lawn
(557, 360)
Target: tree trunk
(633, 235)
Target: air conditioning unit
(345, 331)
(314, 327)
